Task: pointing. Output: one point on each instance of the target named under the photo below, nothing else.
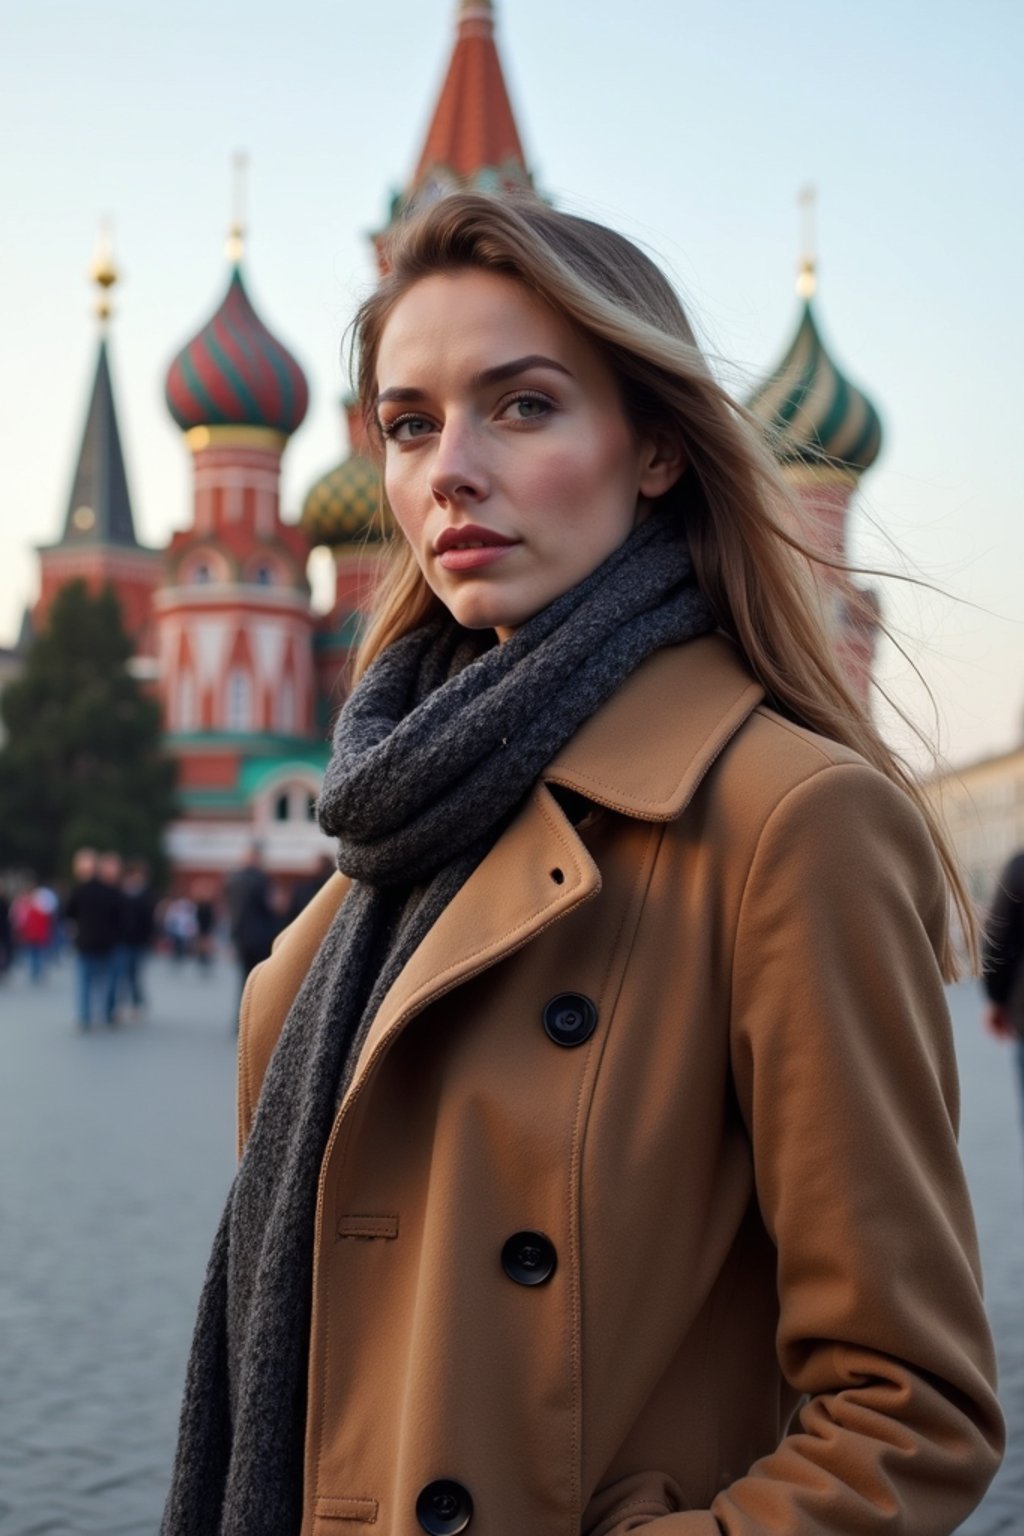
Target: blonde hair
(738, 510)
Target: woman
(598, 1121)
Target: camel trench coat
(644, 1204)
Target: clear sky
(690, 124)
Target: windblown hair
(740, 516)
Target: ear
(662, 461)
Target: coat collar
(644, 753)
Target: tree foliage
(83, 762)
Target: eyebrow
(496, 375)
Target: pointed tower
(826, 434)
(472, 141)
(98, 543)
(233, 616)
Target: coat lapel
(643, 755)
(538, 871)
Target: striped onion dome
(235, 373)
(814, 408)
(343, 506)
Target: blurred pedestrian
(6, 936)
(94, 909)
(137, 925)
(255, 923)
(203, 897)
(1003, 962)
(180, 926)
(34, 917)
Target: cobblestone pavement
(116, 1150)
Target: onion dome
(813, 406)
(235, 373)
(344, 506)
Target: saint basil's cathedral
(248, 675)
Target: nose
(457, 471)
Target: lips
(469, 536)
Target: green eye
(528, 407)
(405, 427)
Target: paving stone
(117, 1149)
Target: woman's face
(509, 464)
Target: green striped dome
(343, 506)
(815, 408)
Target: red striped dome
(235, 373)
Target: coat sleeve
(844, 1069)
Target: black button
(444, 1508)
(529, 1258)
(570, 1018)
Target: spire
(236, 234)
(807, 282)
(104, 273)
(99, 507)
(472, 139)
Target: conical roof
(472, 140)
(235, 372)
(99, 509)
(815, 408)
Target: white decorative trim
(221, 595)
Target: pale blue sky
(691, 125)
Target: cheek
(406, 506)
(563, 472)
(582, 476)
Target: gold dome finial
(807, 282)
(235, 249)
(103, 269)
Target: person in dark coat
(255, 922)
(6, 934)
(137, 924)
(94, 908)
(1003, 961)
(203, 896)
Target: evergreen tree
(82, 763)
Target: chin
(482, 610)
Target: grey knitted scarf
(434, 752)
